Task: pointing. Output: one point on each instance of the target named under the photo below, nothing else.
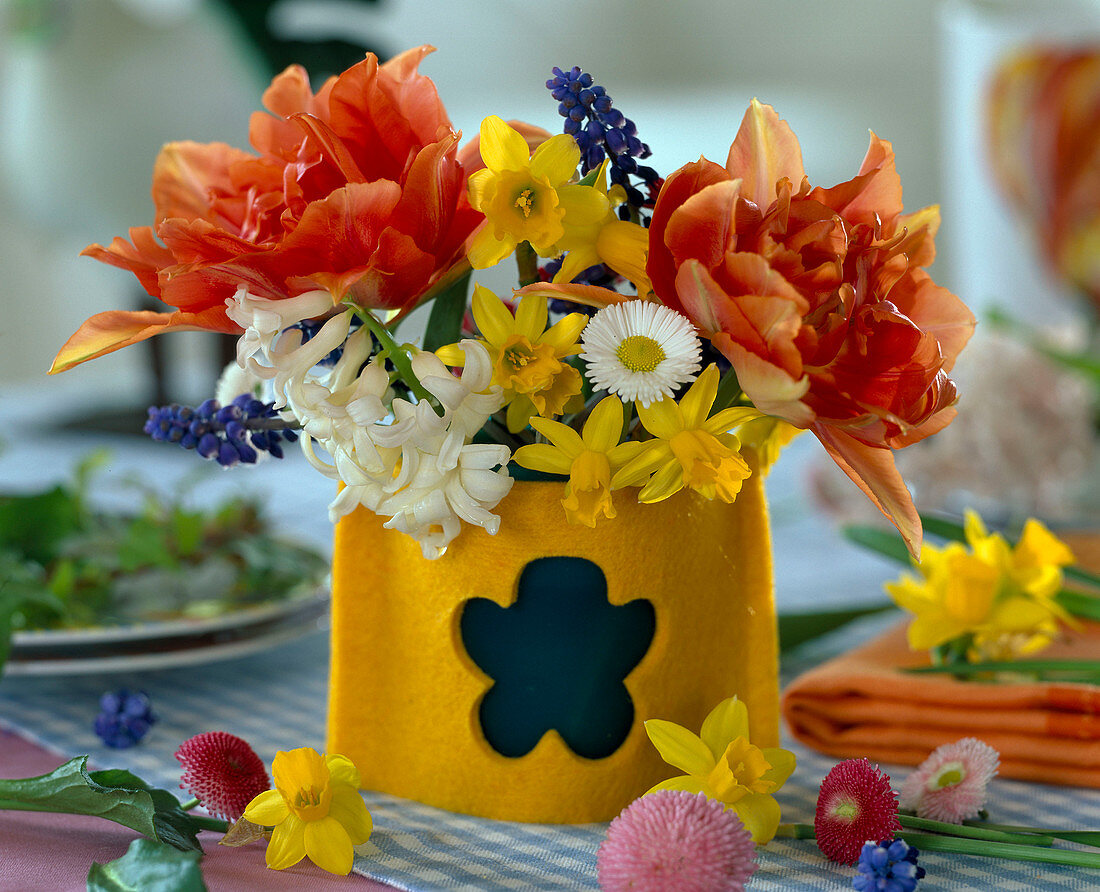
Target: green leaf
(172, 824)
(888, 543)
(798, 628)
(35, 525)
(145, 545)
(148, 865)
(117, 796)
(1086, 671)
(185, 531)
(1079, 604)
(1082, 575)
(944, 528)
(445, 321)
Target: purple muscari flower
(603, 131)
(230, 434)
(124, 718)
(890, 866)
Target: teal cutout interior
(558, 657)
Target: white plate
(164, 645)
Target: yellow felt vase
(412, 708)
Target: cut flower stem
(985, 848)
(1084, 837)
(981, 831)
(934, 842)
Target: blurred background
(91, 89)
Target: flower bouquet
(667, 336)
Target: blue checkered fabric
(277, 701)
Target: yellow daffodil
(689, 449)
(527, 197)
(1002, 596)
(589, 458)
(723, 764)
(527, 357)
(315, 810)
(619, 244)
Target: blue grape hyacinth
(229, 434)
(124, 718)
(887, 867)
(603, 132)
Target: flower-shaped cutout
(558, 657)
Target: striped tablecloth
(277, 701)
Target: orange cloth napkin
(860, 704)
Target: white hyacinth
(398, 458)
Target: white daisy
(640, 351)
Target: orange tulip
(1044, 136)
(817, 297)
(359, 189)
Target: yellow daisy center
(640, 353)
(949, 775)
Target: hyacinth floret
(124, 717)
(604, 132)
(231, 434)
(889, 866)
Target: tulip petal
(185, 173)
(764, 151)
(588, 295)
(107, 332)
(872, 469)
(680, 747)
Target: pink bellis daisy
(673, 839)
(222, 771)
(855, 805)
(950, 784)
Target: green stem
(1084, 837)
(399, 357)
(206, 823)
(527, 262)
(190, 804)
(933, 842)
(911, 822)
(795, 831)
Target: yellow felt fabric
(404, 695)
